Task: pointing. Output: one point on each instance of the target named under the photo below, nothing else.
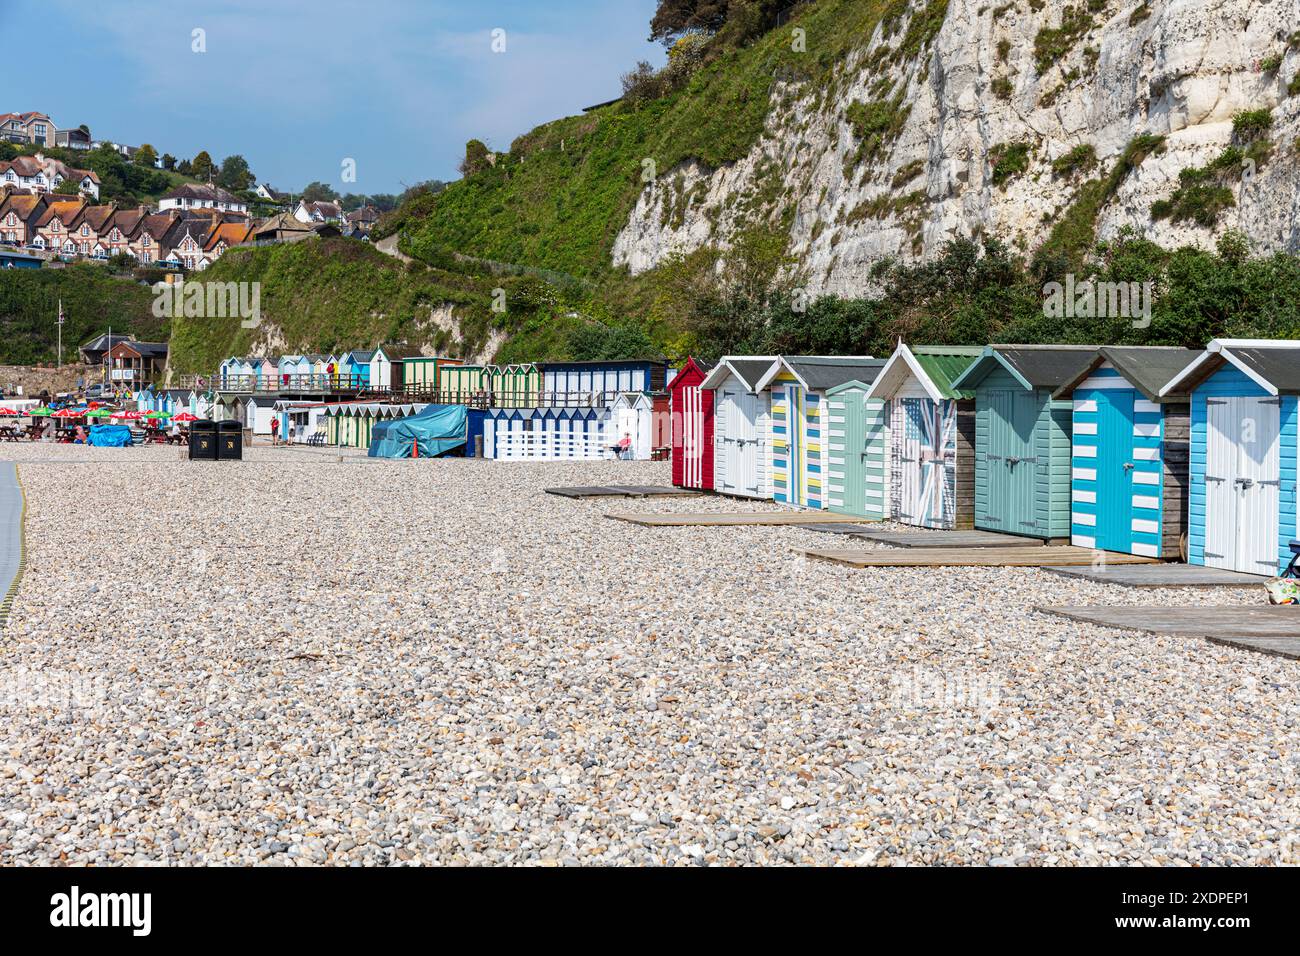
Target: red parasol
(9, 412)
(185, 417)
(70, 413)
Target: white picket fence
(549, 444)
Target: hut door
(1242, 484)
(740, 443)
(855, 454)
(1114, 469)
(1011, 462)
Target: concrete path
(11, 535)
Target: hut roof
(750, 369)
(817, 373)
(935, 366)
(1148, 367)
(1272, 364)
(1034, 366)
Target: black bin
(203, 440)
(230, 441)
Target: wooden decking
(950, 539)
(1023, 557)
(1163, 576)
(1266, 629)
(624, 491)
(727, 519)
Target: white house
(202, 196)
(315, 212)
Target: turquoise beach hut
(1128, 477)
(1022, 437)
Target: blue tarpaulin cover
(438, 429)
(110, 436)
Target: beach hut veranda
(1129, 469)
(1022, 437)
(742, 425)
(928, 434)
(1242, 484)
(799, 449)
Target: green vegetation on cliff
(93, 300)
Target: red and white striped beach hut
(692, 414)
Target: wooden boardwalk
(1263, 628)
(1033, 556)
(1163, 576)
(727, 519)
(624, 491)
(949, 539)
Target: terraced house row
(70, 227)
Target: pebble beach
(315, 658)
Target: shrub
(1248, 125)
(1080, 159)
(1002, 87)
(1053, 43)
(1009, 161)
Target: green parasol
(40, 411)
(158, 415)
(99, 413)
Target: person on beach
(293, 433)
(275, 431)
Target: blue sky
(298, 86)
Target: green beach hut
(1022, 437)
(856, 442)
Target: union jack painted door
(924, 462)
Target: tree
(146, 156)
(203, 166)
(675, 17)
(169, 161)
(477, 158)
(319, 192)
(185, 168)
(235, 173)
(68, 187)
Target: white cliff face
(1179, 69)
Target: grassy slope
(329, 295)
(563, 192)
(92, 301)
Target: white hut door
(741, 443)
(1260, 486)
(911, 445)
(1242, 486)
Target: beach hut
(1242, 484)
(632, 417)
(742, 425)
(600, 382)
(545, 434)
(927, 442)
(460, 384)
(386, 366)
(1129, 474)
(691, 416)
(513, 386)
(229, 371)
(420, 373)
(855, 451)
(258, 412)
(1022, 437)
(799, 450)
